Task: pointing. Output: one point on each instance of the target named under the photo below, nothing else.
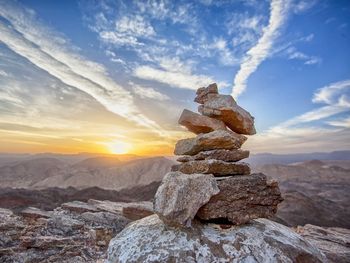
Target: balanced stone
(202, 93)
(179, 196)
(242, 198)
(197, 123)
(223, 155)
(225, 108)
(215, 167)
(219, 139)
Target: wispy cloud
(3, 73)
(278, 14)
(148, 93)
(320, 127)
(47, 50)
(293, 53)
(302, 5)
(329, 93)
(175, 79)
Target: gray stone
(334, 242)
(215, 167)
(223, 155)
(210, 141)
(179, 196)
(225, 108)
(150, 240)
(241, 199)
(197, 123)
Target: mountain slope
(315, 192)
(103, 172)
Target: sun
(118, 147)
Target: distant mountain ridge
(315, 192)
(104, 172)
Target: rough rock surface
(202, 93)
(150, 240)
(210, 141)
(242, 198)
(223, 155)
(135, 211)
(181, 195)
(225, 108)
(334, 242)
(33, 213)
(197, 123)
(61, 235)
(215, 167)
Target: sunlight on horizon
(118, 147)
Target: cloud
(345, 123)
(127, 31)
(3, 73)
(292, 53)
(328, 93)
(302, 6)
(135, 25)
(48, 51)
(296, 140)
(245, 28)
(258, 53)
(308, 129)
(148, 93)
(174, 79)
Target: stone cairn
(210, 184)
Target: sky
(113, 76)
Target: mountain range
(314, 191)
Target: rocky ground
(74, 232)
(80, 232)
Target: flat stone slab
(210, 141)
(223, 155)
(242, 198)
(197, 123)
(35, 213)
(179, 196)
(215, 167)
(138, 210)
(79, 207)
(225, 108)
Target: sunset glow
(114, 76)
(119, 147)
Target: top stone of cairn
(224, 108)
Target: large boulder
(150, 240)
(180, 196)
(197, 123)
(225, 108)
(223, 155)
(334, 242)
(215, 167)
(220, 139)
(242, 198)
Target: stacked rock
(211, 182)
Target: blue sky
(83, 73)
